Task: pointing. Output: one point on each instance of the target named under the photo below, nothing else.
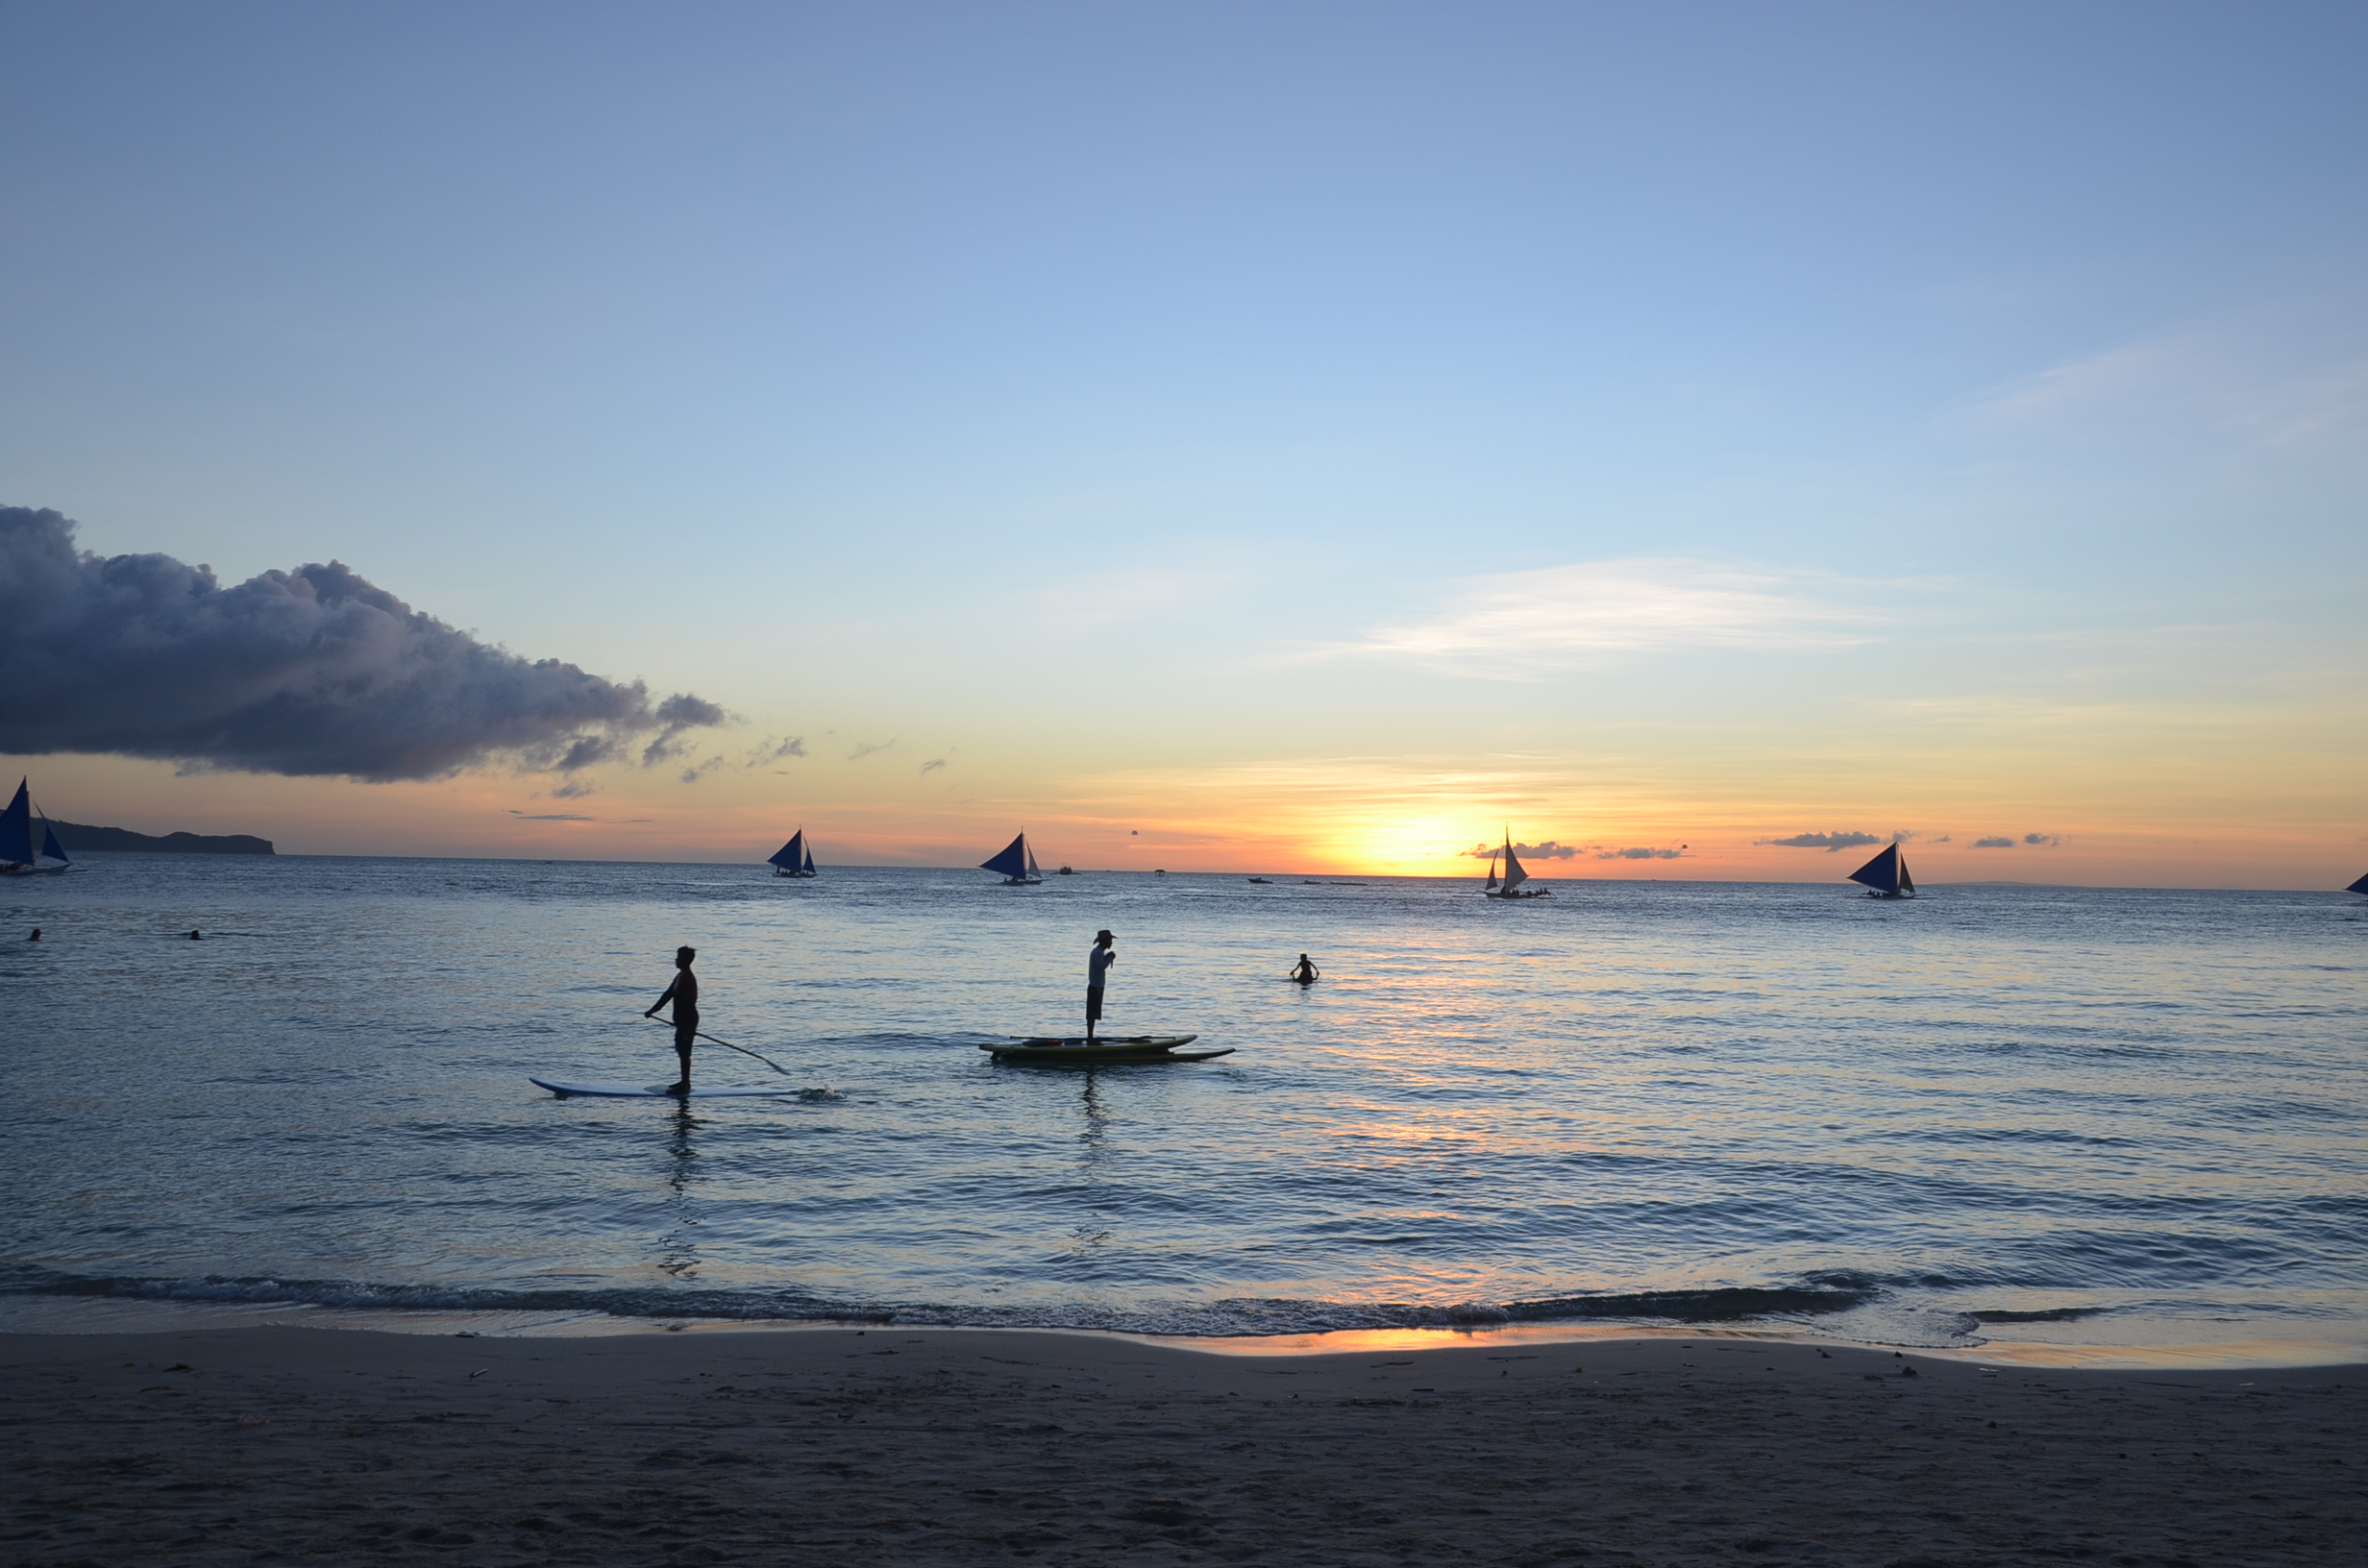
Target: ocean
(1996, 1114)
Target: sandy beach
(844, 1445)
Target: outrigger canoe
(1072, 1050)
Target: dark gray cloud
(2047, 841)
(307, 673)
(1642, 854)
(1993, 844)
(550, 817)
(1825, 841)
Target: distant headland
(77, 837)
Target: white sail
(1034, 871)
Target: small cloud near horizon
(932, 764)
(1825, 841)
(771, 751)
(2047, 841)
(2000, 843)
(1548, 850)
(550, 817)
(1643, 853)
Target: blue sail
(1012, 861)
(17, 827)
(1881, 873)
(50, 846)
(2360, 886)
(792, 856)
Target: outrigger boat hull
(1072, 1050)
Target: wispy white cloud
(1526, 623)
(2266, 378)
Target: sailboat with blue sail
(18, 857)
(2360, 886)
(796, 858)
(1886, 876)
(1016, 865)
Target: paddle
(730, 1046)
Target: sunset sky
(1236, 438)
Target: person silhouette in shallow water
(684, 995)
(1305, 972)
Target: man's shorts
(1092, 1004)
(685, 1030)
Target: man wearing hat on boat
(1097, 961)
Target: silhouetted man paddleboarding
(1097, 961)
(684, 995)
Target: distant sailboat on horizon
(17, 854)
(1886, 876)
(1511, 883)
(796, 858)
(2359, 887)
(1016, 865)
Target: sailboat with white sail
(1886, 876)
(18, 856)
(796, 858)
(1016, 865)
(1510, 884)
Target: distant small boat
(1886, 876)
(1265, 883)
(17, 854)
(1067, 871)
(796, 858)
(1016, 865)
(1511, 884)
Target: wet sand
(924, 1446)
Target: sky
(1211, 437)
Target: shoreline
(954, 1445)
(70, 1317)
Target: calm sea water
(2124, 1117)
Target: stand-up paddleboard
(661, 1091)
(1072, 1050)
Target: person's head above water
(683, 957)
(194, 936)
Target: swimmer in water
(1305, 972)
